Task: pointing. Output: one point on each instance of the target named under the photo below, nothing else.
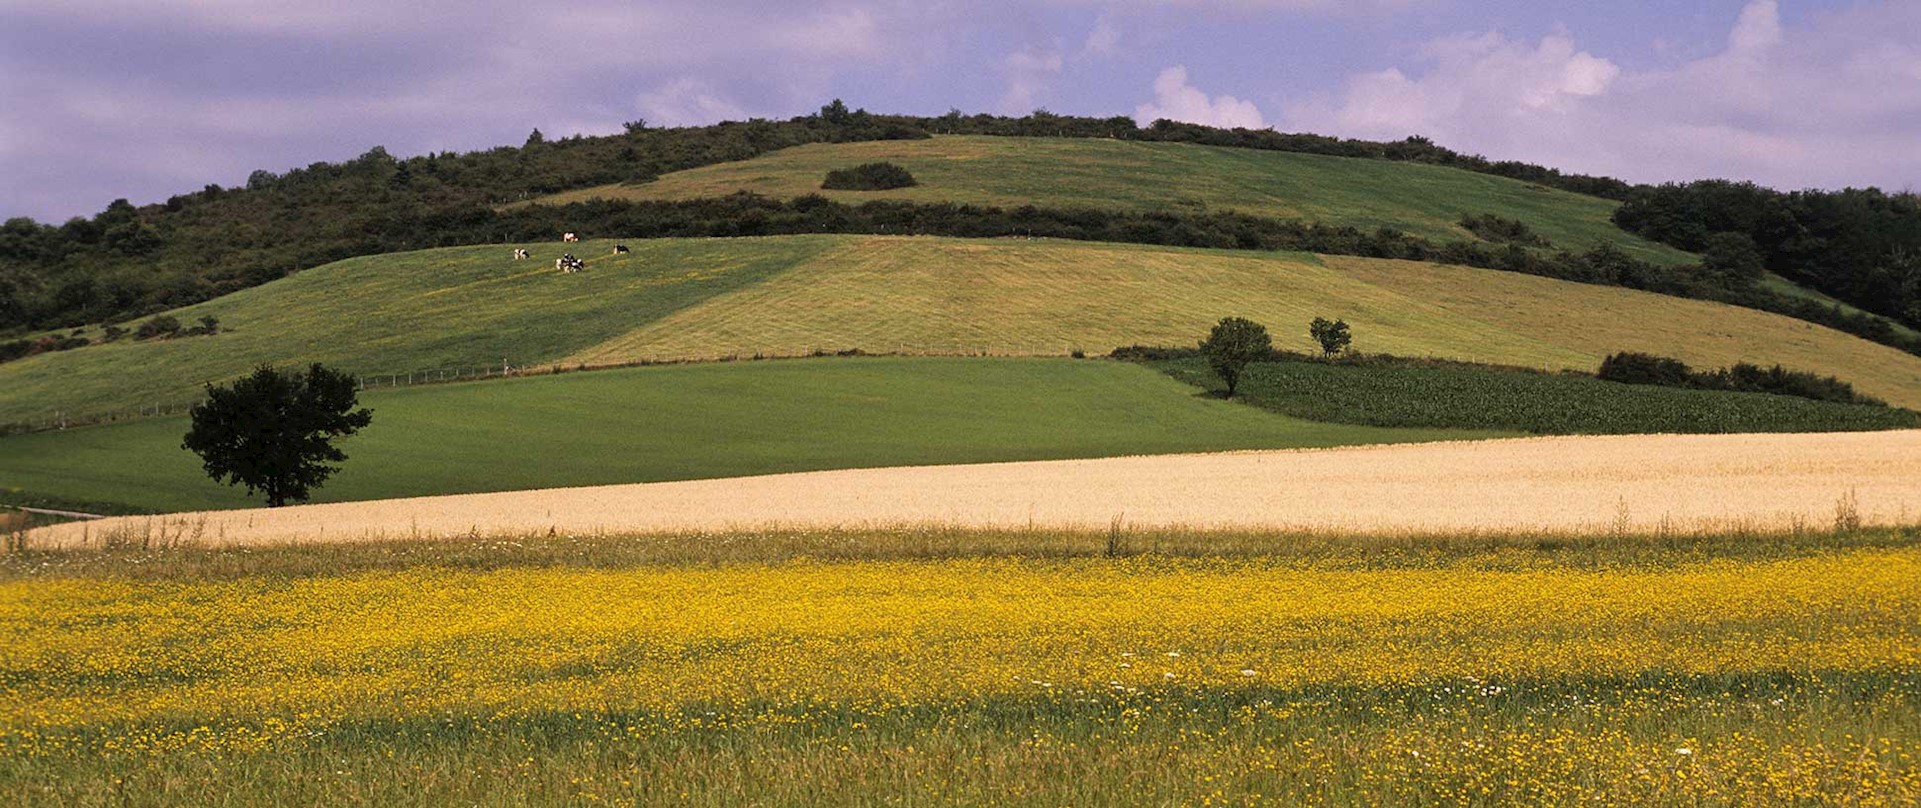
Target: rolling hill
(1420, 199)
(673, 299)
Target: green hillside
(679, 299)
(700, 421)
(1420, 199)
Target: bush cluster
(1502, 230)
(23, 348)
(158, 327)
(869, 177)
(1743, 377)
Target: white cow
(569, 237)
(519, 254)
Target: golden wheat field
(1586, 484)
(1510, 678)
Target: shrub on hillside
(869, 177)
(1780, 381)
(1742, 377)
(160, 325)
(1640, 368)
(23, 348)
(1501, 230)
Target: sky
(143, 99)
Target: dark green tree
(1234, 344)
(273, 431)
(1733, 257)
(535, 138)
(1333, 337)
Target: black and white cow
(620, 249)
(519, 254)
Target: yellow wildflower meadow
(1107, 650)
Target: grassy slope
(1420, 199)
(456, 307)
(947, 295)
(696, 421)
(786, 295)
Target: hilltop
(1424, 200)
(1393, 199)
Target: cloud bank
(104, 98)
(1176, 100)
(1835, 102)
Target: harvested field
(1658, 483)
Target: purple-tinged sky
(147, 98)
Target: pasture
(1047, 172)
(472, 307)
(1738, 670)
(698, 421)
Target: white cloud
(1758, 29)
(1029, 74)
(687, 102)
(1316, 6)
(1177, 100)
(1834, 102)
(1104, 40)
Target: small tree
(1333, 337)
(1234, 344)
(273, 431)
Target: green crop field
(1419, 199)
(699, 421)
(695, 298)
(1538, 403)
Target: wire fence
(60, 419)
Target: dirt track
(1565, 484)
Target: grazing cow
(519, 254)
(569, 237)
(569, 264)
(620, 249)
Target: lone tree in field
(273, 431)
(1233, 345)
(1333, 337)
